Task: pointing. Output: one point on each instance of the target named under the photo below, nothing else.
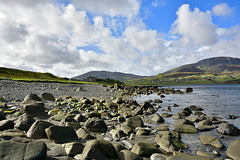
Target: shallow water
(216, 100)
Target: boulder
(128, 155)
(134, 122)
(6, 124)
(73, 148)
(95, 125)
(185, 112)
(2, 116)
(183, 121)
(158, 156)
(228, 129)
(170, 141)
(84, 134)
(157, 118)
(37, 130)
(157, 101)
(210, 140)
(14, 150)
(24, 122)
(144, 149)
(112, 105)
(99, 149)
(47, 96)
(188, 89)
(80, 118)
(146, 105)
(233, 150)
(31, 97)
(11, 133)
(195, 108)
(189, 158)
(186, 128)
(137, 111)
(117, 134)
(143, 131)
(61, 134)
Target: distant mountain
(211, 65)
(111, 75)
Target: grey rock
(144, 149)
(158, 156)
(188, 89)
(61, 134)
(95, 125)
(234, 150)
(6, 124)
(37, 130)
(210, 140)
(73, 148)
(185, 112)
(134, 122)
(84, 134)
(128, 155)
(137, 111)
(228, 129)
(47, 96)
(24, 122)
(157, 118)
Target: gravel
(12, 90)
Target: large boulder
(134, 122)
(33, 105)
(228, 129)
(47, 96)
(11, 133)
(128, 155)
(188, 89)
(37, 130)
(146, 105)
(157, 118)
(186, 128)
(61, 134)
(95, 125)
(99, 149)
(24, 122)
(6, 124)
(84, 134)
(233, 150)
(189, 158)
(73, 148)
(170, 141)
(185, 112)
(144, 149)
(210, 140)
(34, 150)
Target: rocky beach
(81, 121)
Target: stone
(80, 118)
(205, 127)
(185, 128)
(128, 155)
(24, 122)
(47, 96)
(11, 133)
(95, 125)
(134, 122)
(188, 90)
(228, 129)
(37, 130)
(144, 149)
(61, 134)
(170, 141)
(54, 111)
(31, 97)
(84, 134)
(195, 108)
(234, 150)
(112, 105)
(73, 148)
(127, 144)
(35, 109)
(143, 131)
(137, 111)
(99, 149)
(57, 150)
(201, 153)
(6, 124)
(157, 118)
(183, 121)
(146, 105)
(74, 125)
(189, 158)
(118, 147)
(59, 117)
(29, 151)
(2, 116)
(210, 140)
(158, 156)
(185, 112)
(117, 134)
(157, 101)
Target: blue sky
(144, 37)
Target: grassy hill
(218, 70)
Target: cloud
(195, 26)
(110, 7)
(222, 9)
(159, 3)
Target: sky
(144, 37)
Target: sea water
(216, 100)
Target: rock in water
(210, 140)
(99, 149)
(144, 149)
(95, 125)
(228, 129)
(61, 134)
(188, 89)
(34, 150)
(134, 122)
(126, 154)
(233, 150)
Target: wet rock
(228, 129)
(143, 131)
(61, 134)
(146, 105)
(95, 125)
(234, 150)
(144, 149)
(2, 116)
(47, 96)
(128, 155)
(6, 124)
(157, 118)
(84, 134)
(205, 127)
(185, 128)
(188, 89)
(182, 121)
(201, 153)
(185, 112)
(134, 122)
(166, 115)
(195, 108)
(170, 141)
(24, 122)
(189, 158)
(15, 150)
(158, 156)
(210, 140)
(99, 149)
(137, 111)
(232, 117)
(37, 130)
(73, 148)
(157, 101)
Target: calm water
(216, 100)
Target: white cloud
(126, 8)
(222, 9)
(195, 26)
(159, 3)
